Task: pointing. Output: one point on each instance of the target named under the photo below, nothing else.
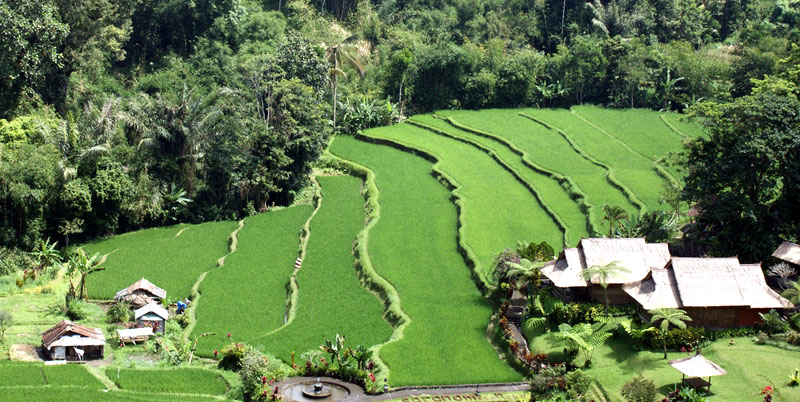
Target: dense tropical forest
(120, 115)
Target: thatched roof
(788, 252)
(67, 333)
(151, 308)
(143, 285)
(634, 254)
(705, 282)
(697, 366)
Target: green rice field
(177, 381)
(413, 246)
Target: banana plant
(336, 349)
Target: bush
(578, 383)
(232, 356)
(677, 338)
(79, 310)
(639, 389)
(119, 312)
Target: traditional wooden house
(141, 293)
(70, 341)
(788, 252)
(636, 255)
(715, 292)
(152, 315)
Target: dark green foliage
(119, 312)
(676, 338)
(534, 252)
(639, 389)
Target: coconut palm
(84, 265)
(614, 216)
(613, 19)
(602, 273)
(792, 293)
(667, 317)
(338, 56)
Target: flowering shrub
(232, 356)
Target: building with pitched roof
(152, 315)
(141, 293)
(70, 341)
(788, 252)
(636, 255)
(714, 292)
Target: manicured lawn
(331, 300)
(547, 189)
(634, 171)
(750, 367)
(247, 295)
(182, 380)
(497, 210)
(171, 262)
(413, 246)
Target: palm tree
(339, 55)
(668, 316)
(614, 216)
(79, 262)
(524, 273)
(792, 293)
(584, 337)
(613, 19)
(603, 273)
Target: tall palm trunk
(335, 88)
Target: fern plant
(584, 337)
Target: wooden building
(638, 256)
(70, 341)
(141, 293)
(152, 315)
(714, 292)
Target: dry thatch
(697, 366)
(705, 282)
(634, 254)
(139, 287)
(788, 252)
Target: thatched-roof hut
(788, 252)
(695, 368)
(715, 292)
(638, 256)
(141, 293)
(70, 341)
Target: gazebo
(695, 367)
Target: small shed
(695, 368)
(134, 335)
(152, 315)
(141, 293)
(70, 341)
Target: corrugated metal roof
(142, 284)
(152, 308)
(73, 332)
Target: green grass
(77, 394)
(549, 150)
(247, 295)
(643, 130)
(32, 314)
(71, 374)
(178, 380)
(692, 129)
(13, 374)
(633, 170)
(552, 195)
(331, 301)
(20, 374)
(497, 209)
(413, 246)
(750, 367)
(171, 263)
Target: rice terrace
(391, 271)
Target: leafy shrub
(119, 312)
(232, 356)
(676, 338)
(685, 394)
(578, 382)
(772, 323)
(639, 389)
(367, 113)
(793, 337)
(79, 310)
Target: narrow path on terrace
(633, 170)
(547, 189)
(413, 245)
(548, 149)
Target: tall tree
(603, 273)
(614, 216)
(667, 317)
(339, 55)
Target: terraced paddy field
(413, 245)
(246, 296)
(330, 299)
(172, 257)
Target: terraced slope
(553, 198)
(172, 258)
(548, 150)
(683, 128)
(632, 169)
(413, 245)
(497, 209)
(247, 295)
(331, 301)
